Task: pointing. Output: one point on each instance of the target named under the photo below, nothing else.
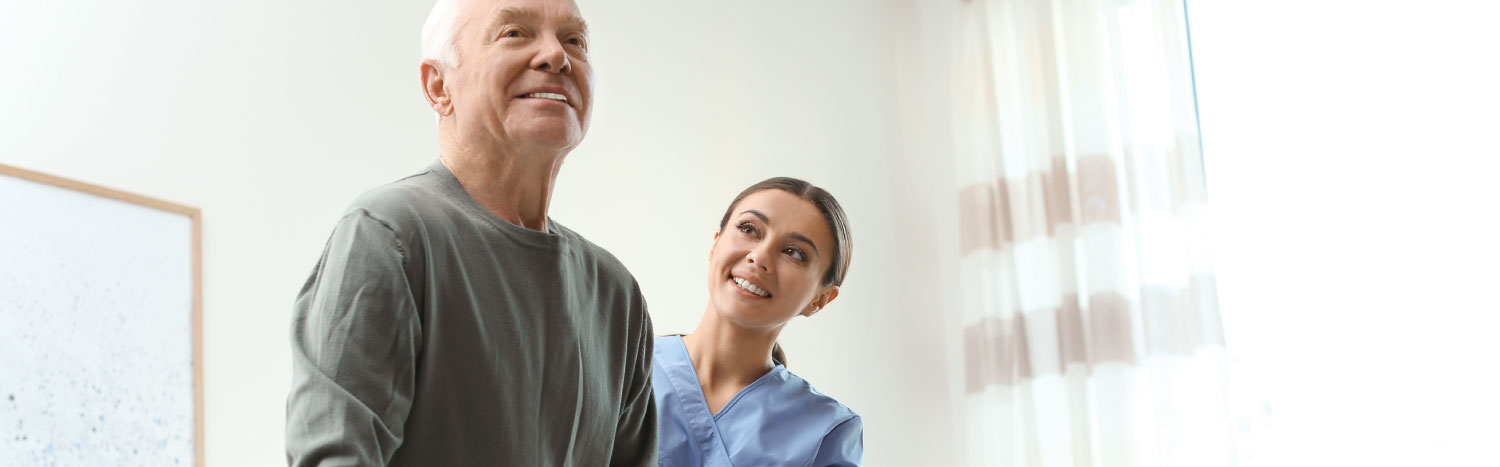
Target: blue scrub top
(778, 420)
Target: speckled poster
(95, 330)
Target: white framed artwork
(100, 326)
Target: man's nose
(552, 57)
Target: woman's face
(768, 262)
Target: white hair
(439, 31)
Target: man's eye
(511, 33)
(579, 42)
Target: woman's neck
(727, 356)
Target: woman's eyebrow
(803, 238)
(761, 215)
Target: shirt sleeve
(844, 446)
(355, 340)
(635, 437)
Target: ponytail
(778, 355)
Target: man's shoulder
(605, 262)
(402, 202)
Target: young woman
(723, 394)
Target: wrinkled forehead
(563, 13)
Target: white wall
(698, 100)
(271, 116)
(1352, 160)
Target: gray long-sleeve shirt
(432, 333)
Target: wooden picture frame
(196, 254)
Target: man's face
(523, 78)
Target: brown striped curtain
(1092, 333)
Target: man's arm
(635, 438)
(355, 338)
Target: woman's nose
(757, 257)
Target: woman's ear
(822, 300)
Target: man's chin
(548, 138)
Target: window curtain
(1091, 331)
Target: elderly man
(449, 321)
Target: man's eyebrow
(513, 14)
(505, 16)
(795, 236)
(510, 15)
(577, 22)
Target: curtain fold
(1092, 333)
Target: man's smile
(546, 95)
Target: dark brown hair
(838, 223)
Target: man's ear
(434, 87)
(822, 300)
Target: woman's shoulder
(669, 360)
(842, 431)
(802, 397)
(666, 346)
(807, 425)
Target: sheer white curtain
(1092, 333)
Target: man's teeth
(744, 284)
(547, 95)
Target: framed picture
(101, 340)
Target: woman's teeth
(744, 284)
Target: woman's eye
(747, 228)
(794, 253)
